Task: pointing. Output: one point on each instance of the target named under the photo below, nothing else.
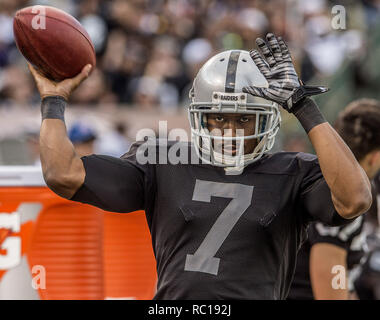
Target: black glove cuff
(53, 107)
(308, 114)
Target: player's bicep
(111, 184)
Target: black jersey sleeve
(315, 195)
(116, 184)
(340, 236)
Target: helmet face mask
(217, 89)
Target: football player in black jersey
(358, 124)
(227, 226)
(367, 280)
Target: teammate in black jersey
(227, 221)
(367, 278)
(358, 124)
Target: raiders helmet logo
(229, 98)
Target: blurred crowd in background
(148, 51)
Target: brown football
(53, 41)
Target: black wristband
(308, 114)
(53, 107)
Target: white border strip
(21, 176)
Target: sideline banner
(52, 248)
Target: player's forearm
(62, 169)
(348, 183)
(323, 258)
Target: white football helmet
(218, 88)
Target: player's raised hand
(47, 87)
(275, 63)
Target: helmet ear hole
(191, 93)
(221, 60)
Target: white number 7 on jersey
(203, 259)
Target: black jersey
(216, 236)
(350, 237)
(367, 284)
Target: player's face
(232, 125)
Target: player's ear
(371, 163)
(376, 160)
(374, 157)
